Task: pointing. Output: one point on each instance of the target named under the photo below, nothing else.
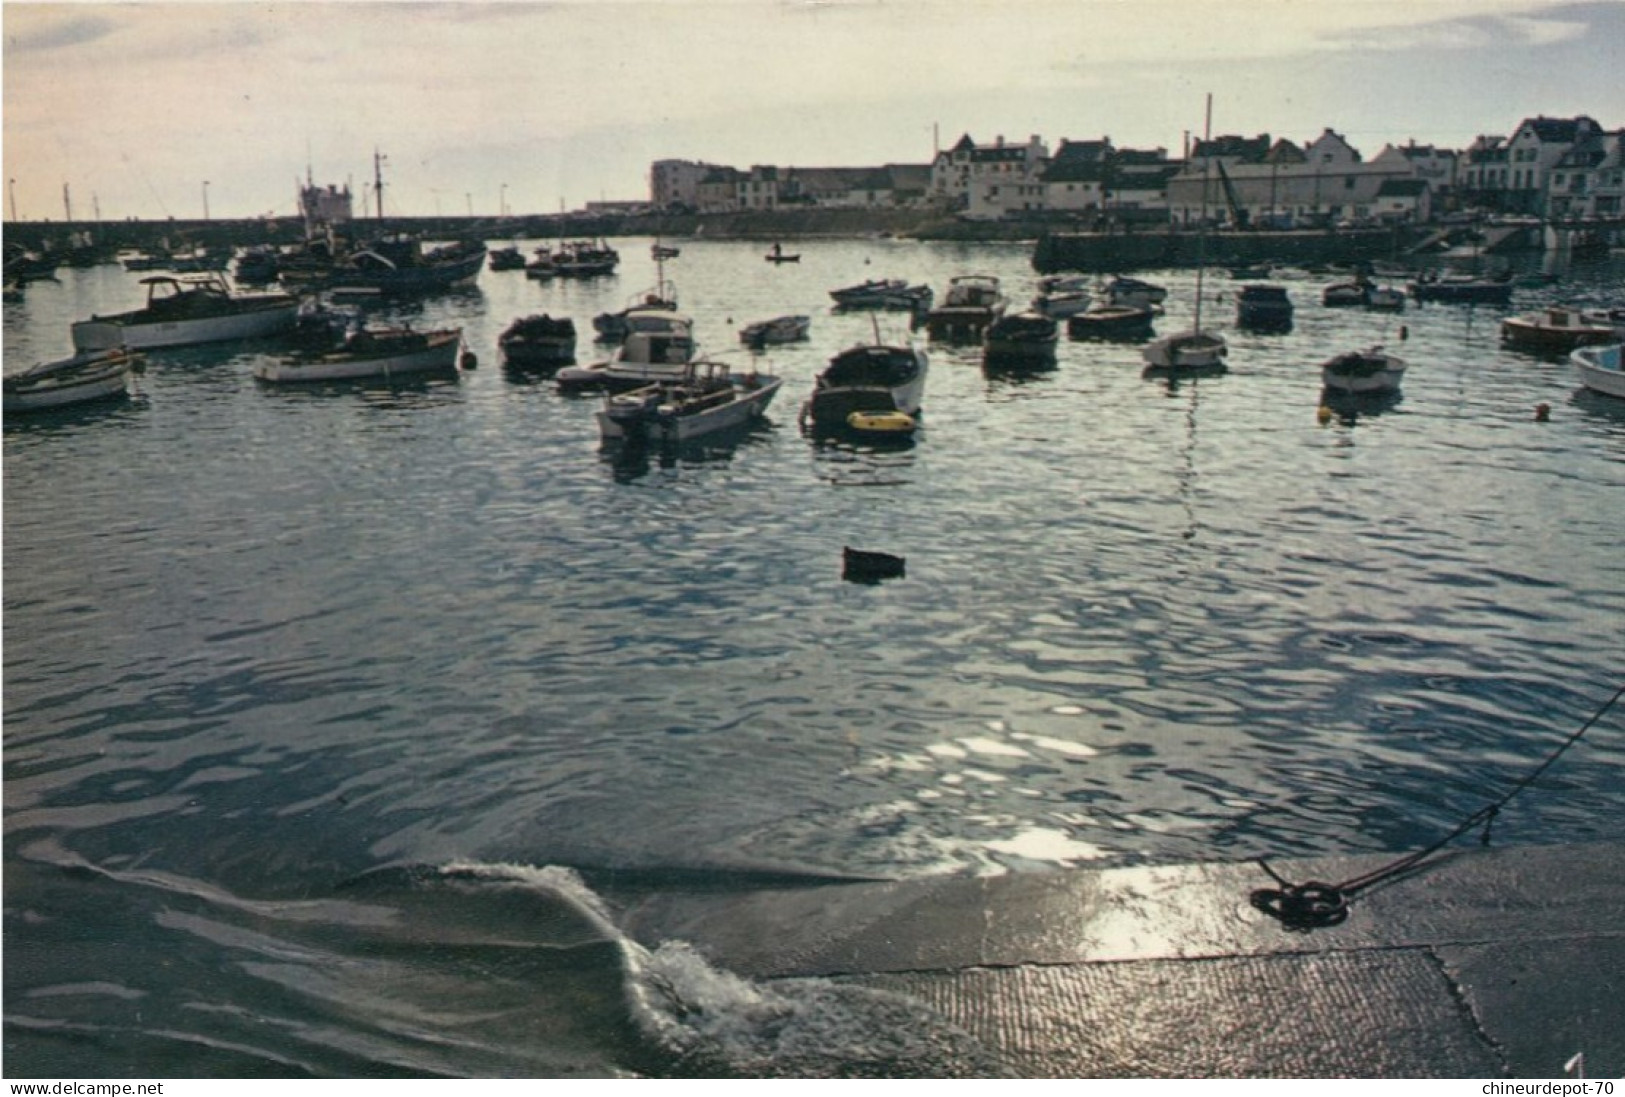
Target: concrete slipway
(1479, 963)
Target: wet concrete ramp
(1483, 963)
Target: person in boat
(778, 249)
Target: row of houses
(1556, 167)
(1553, 167)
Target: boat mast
(1201, 228)
(378, 182)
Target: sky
(152, 110)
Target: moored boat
(1466, 289)
(391, 266)
(1060, 304)
(584, 259)
(1346, 294)
(1385, 299)
(1020, 337)
(1195, 351)
(539, 342)
(1363, 372)
(1600, 368)
(780, 329)
(506, 258)
(188, 311)
(1134, 291)
(707, 398)
(971, 303)
(868, 389)
(657, 347)
(1262, 307)
(1107, 321)
(360, 354)
(876, 293)
(1558, 330)
(79, 379)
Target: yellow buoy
(881, 422)
(1324, 415)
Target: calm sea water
(328, 714)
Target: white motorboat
(657, 347)
(187, 311)
(1600, 369)
(80, 379)
(780, 329)
(361, 354)
(708, 398)
(1363, 372)
(868, 387)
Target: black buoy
(858, 566)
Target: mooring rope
(1315, 904)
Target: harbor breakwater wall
(1055, 246)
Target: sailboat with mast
(1194, 350)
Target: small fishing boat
(394, 266)
(584, 259)
(539, 342)
(661, 252)
(612, 327)
(188, 311)
(1600, 369)
(1020, 338)
(1262, 307)
(1105, 321)
(1346, 294)
(360, 354)
(1466, 289)
(539, 267)
(871, 388)
(705, 399)
(779, 255)
(1363, 372)
(657, 347)
(1060, 304)
(82, 378)
(1133, 291)
(508, 258)
(1385, 299)
(780, 329)
(876, 293)
(1558, 330)
(971, 303)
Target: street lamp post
(12, 190)
(502, 201)
(205, 199)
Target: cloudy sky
(149, 109)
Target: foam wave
(700, 1020)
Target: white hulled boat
(1600, 369)
(187, 311)
(80, 379)
(706, 399)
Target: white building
(988, 182)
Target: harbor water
(341, 722)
